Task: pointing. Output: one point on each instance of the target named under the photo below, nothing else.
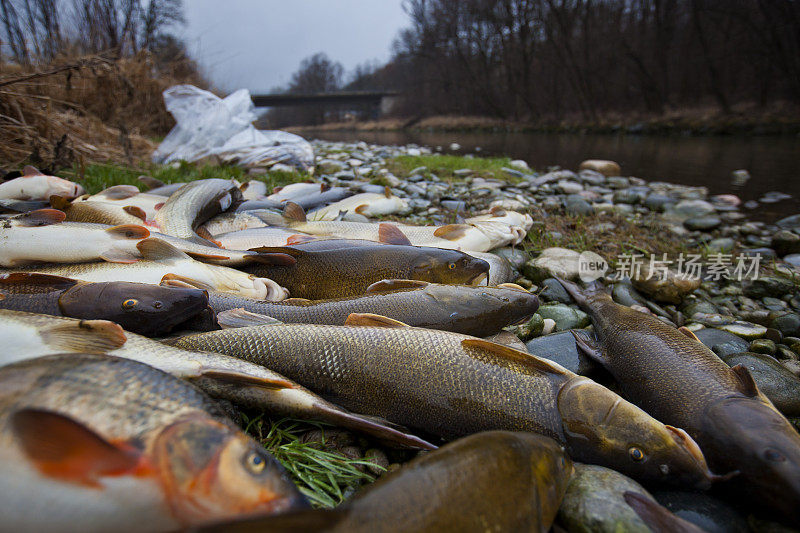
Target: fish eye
(451, 266)
(157, 304)
(256, 463)
(130, 303)
(773, 455)
(636, 454)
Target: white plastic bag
(208, 125)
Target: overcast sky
(258, 44)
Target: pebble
(788, 324)
(764, 346)
(553, 262)
(561, 348)
(703, 223)
(554, 292)
(565, 317)
(576, 205)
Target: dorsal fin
(29, 171)
(391, 234)
(129, 231)
(689, 333)
(157, 250)
(370, 319)
(293, 212)
(136, 211)
(452, 232)
(65, 449)
(40, 217)
(286, 250)
(41, 280)
(747, 384)
(504, 354)
(386, 285)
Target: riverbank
(777, 119)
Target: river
(773, 162)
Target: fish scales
(456, 390)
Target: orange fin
(505, 354)
(30, 171)
(65, 449)
(40, 217)
(299, 239)
(386, 285)
(206, 257)
(150, 182)
(497, 211)
(452, 232)
(689, 333)
(391, 234)
(203, 233)
(747, 384)
(129, 231)
(657, 517)
(369, 319)
(361, 208)
(91, 336)
(294, 212)
(273, 259)
(59, 202)
(136, 211)
(387, 192)
(43, 280)
(512, 286)
(241, 378)
(157, 250)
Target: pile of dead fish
(123, 313)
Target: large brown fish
(451, 489)
(453, 385)
(139, 307)
(334, 269)
(679, 380)
(98, 443)
(479, 311)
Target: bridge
(382, 100)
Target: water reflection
(773, 162)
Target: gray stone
(627, 196)
(565, 316)
(699, 306)
(706, 512)
(659, 202)
(554, 292)
(788, 324)
(712, 337)
(454, 205)
(703, 223)
(561, 348)
(764, 346)
(793, 259)
(792, 222)
(785, 242)
(515, 256)
(768, 286)
(553, 262)
(575, 205)
(765, 253)
(686, 209)
(618, 182)
(722, 245)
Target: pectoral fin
(135, 211)
(119, 192)
(589, 345)
(391, 234)
(40, 217)
(157, 250)
(452, 232)
(62, 448)
(241, 318)
(42, 280)
(129, 231)
(92, 336)
(241, 378)
(150, 182)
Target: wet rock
(554, 292)
(763, 346)
(576, 205)
(531, 328)
(713, 337)
(595, 502)
(765, 254)
(565, 317)
(549, 326)
(785, 242)
(793, 259)
(788, 324)
(768, 286)
(627, 196)
(561, 348)
(780, 385)
(792, 222)
(569, 187)
(664, 286)
(704, 223)
(774, 197)
(592, 177)
(515, 256)
(686, 209)
(659, 202)
(604, 167)
(520, 164)
(699, 306)
(745, 330)
(558, 262)
(454, 205)
(705, 511)
(618, 183)
(722, 245)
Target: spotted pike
(480, 311)
(679, 380)
(193, 204)
(162, 262)
(452, 385)
(331, 269)
(27, 335)
(99, 443)
(139, 307)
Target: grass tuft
(444, 166)
(325, 477)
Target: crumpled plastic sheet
(211, 126)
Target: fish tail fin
(584, 296)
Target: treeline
(556, 60)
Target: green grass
(325, 477)
(98, 176)
(444, 166)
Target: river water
(773, 162)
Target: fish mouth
(478, 279)
(269, 290)
(687, 443)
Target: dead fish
(452, 385)
(142, 308)
(253, 190)
(99, 212)
(41, 236)
(21, 206)
(250, 238)
(721, 407)
(500, 270)
(99, 443)
(27, 335)
(239, 220)
(161, 263)
(127, 196)
(193, 204)
(33, 185)
(326, 269)
(367, 204)
(294, 191)
(451, 489)
(479, 311)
